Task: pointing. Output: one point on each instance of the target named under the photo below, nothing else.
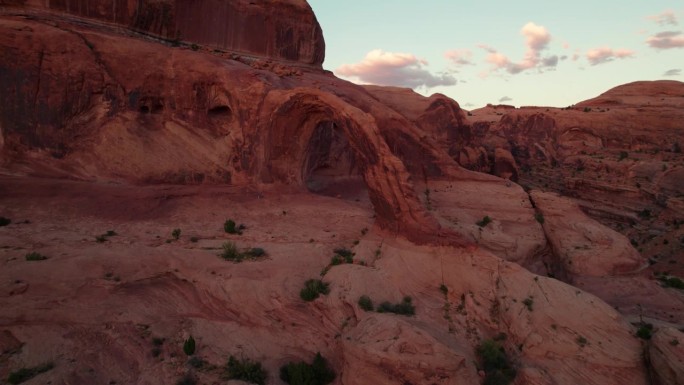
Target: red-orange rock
(282, 30)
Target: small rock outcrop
(666, 357)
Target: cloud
(460, 57)
(394, 69)
(487, 48)
(665, 18)
(604, 55)
(666, 40)
(505, 99)
(673, 72)
(537, 39)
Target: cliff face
(280, 30)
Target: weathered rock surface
(582, 245)
(281, 30)
(666, 356)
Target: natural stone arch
(285, 144)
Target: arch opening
(330, 166)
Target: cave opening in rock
(219, 111)
(330, 167)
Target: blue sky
(525, 52)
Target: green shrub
(313, 288)
(231, 228)
(110, 233)
(194, 239)
(245, 370)
(25, 374)
(33, 256)
(495, 363)
(197, 362)
(231, 252)
(405, 307)
(539, 217)
(4, 221)
(673, 282)
(189, 346)
(485, 221)
(100, 238)
(342, 255)
(301, 373)
(645, 331)
(623, 155)
(365, 303)
(176, 233)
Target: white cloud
(673, 72)
(460, 57)
(505, 99)
(537, 39)
(666, 40)
(667, 17)
(604, 55)
(394, 69)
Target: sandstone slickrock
(666, 356)
(160, 137)
(582, 245)
(281, 30)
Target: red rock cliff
(276, 29)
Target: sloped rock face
(584, 246)
(618, 155)
(666, 356)
(281, 30)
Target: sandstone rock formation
(666, 356)
(583, 246)
(145, 138)
(282, 30)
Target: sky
(522, 53)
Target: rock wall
(280, 30)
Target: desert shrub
(485, 221)
(231, 252)
(405, 307)
(231, 227)
(33, 256)
(25, 374)
(313, 288)
(444, 289)
(539, 217)
(528, 302)
(676, 148)
(587, 109)
(194, 239)
(623, 155)
(187, 379)
(673, 282)
(197, 362)
(645, 213)
(645, 331)
(176, 233)
(345, 253)
(496, 365)
(365, 303)
(110, 233)
(256, 252)
(100, 238)
(245, 370)
(189, 346)
(581, 341)
(336, 260)
(5, 221)
(301, 373)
